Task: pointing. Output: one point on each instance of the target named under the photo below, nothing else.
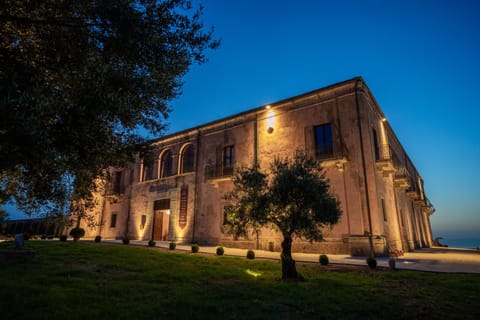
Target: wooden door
(158, 226)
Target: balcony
(427, 207)
(384, 158)
(329, 156)
(412, 194)
(402, 179)
(218, 172)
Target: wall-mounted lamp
(270, 121)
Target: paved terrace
(435, 259)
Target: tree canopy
(78, 79)
(294, 198)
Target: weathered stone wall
(377, 212)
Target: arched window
(166, 166)
(187, 159)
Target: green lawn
(69, 280)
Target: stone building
(180, 195)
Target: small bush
(50, 236)
(195, 248)
(43, 237)
(271, 246)
(77, 233)
(372, 262)
(151, 243)
(250, 254)
(126, 240)
(63, 238)
(323, 259)
(220, 251)
(26, 236)
(98, 239)
(172, 245)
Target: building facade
(181, 195)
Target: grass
(69, 280)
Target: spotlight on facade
(270, 121)
(268, 106)
(384, 119)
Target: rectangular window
(383, 209)
(323, 141)
(401, 217)
(117, 182)
(228, 161)
(143, 221)
(228, 157)
(376, 146)
(113, 220)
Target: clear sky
(421, 59)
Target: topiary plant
(63, 238)
(151, 243)
(195, 248)
(250, 254)
(323, 259)
(98, 239)
(77, 233)
(172, 245)
(126, 240)
(220, 251)
(372, 262)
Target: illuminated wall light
(270, 121)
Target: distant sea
(466, 243)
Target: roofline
(256, 109)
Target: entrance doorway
(161, 219)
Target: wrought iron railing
(324, 153)
(218, 171)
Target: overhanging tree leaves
(77, 81)
(294, 198)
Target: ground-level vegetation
(67, 280)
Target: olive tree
(293, 198)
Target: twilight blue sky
(421, 59)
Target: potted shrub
(77, 233)
(63, 238)
(323, 259)
(220, 251)
(98, 239)
(151, 243)
(372, 262)
(172, 245)
(125, 240)
(250, 254)
(195, 248)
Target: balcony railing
(402, 178)
(114, 189)
(327, 153)
(218, 171)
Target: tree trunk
(288, 264)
